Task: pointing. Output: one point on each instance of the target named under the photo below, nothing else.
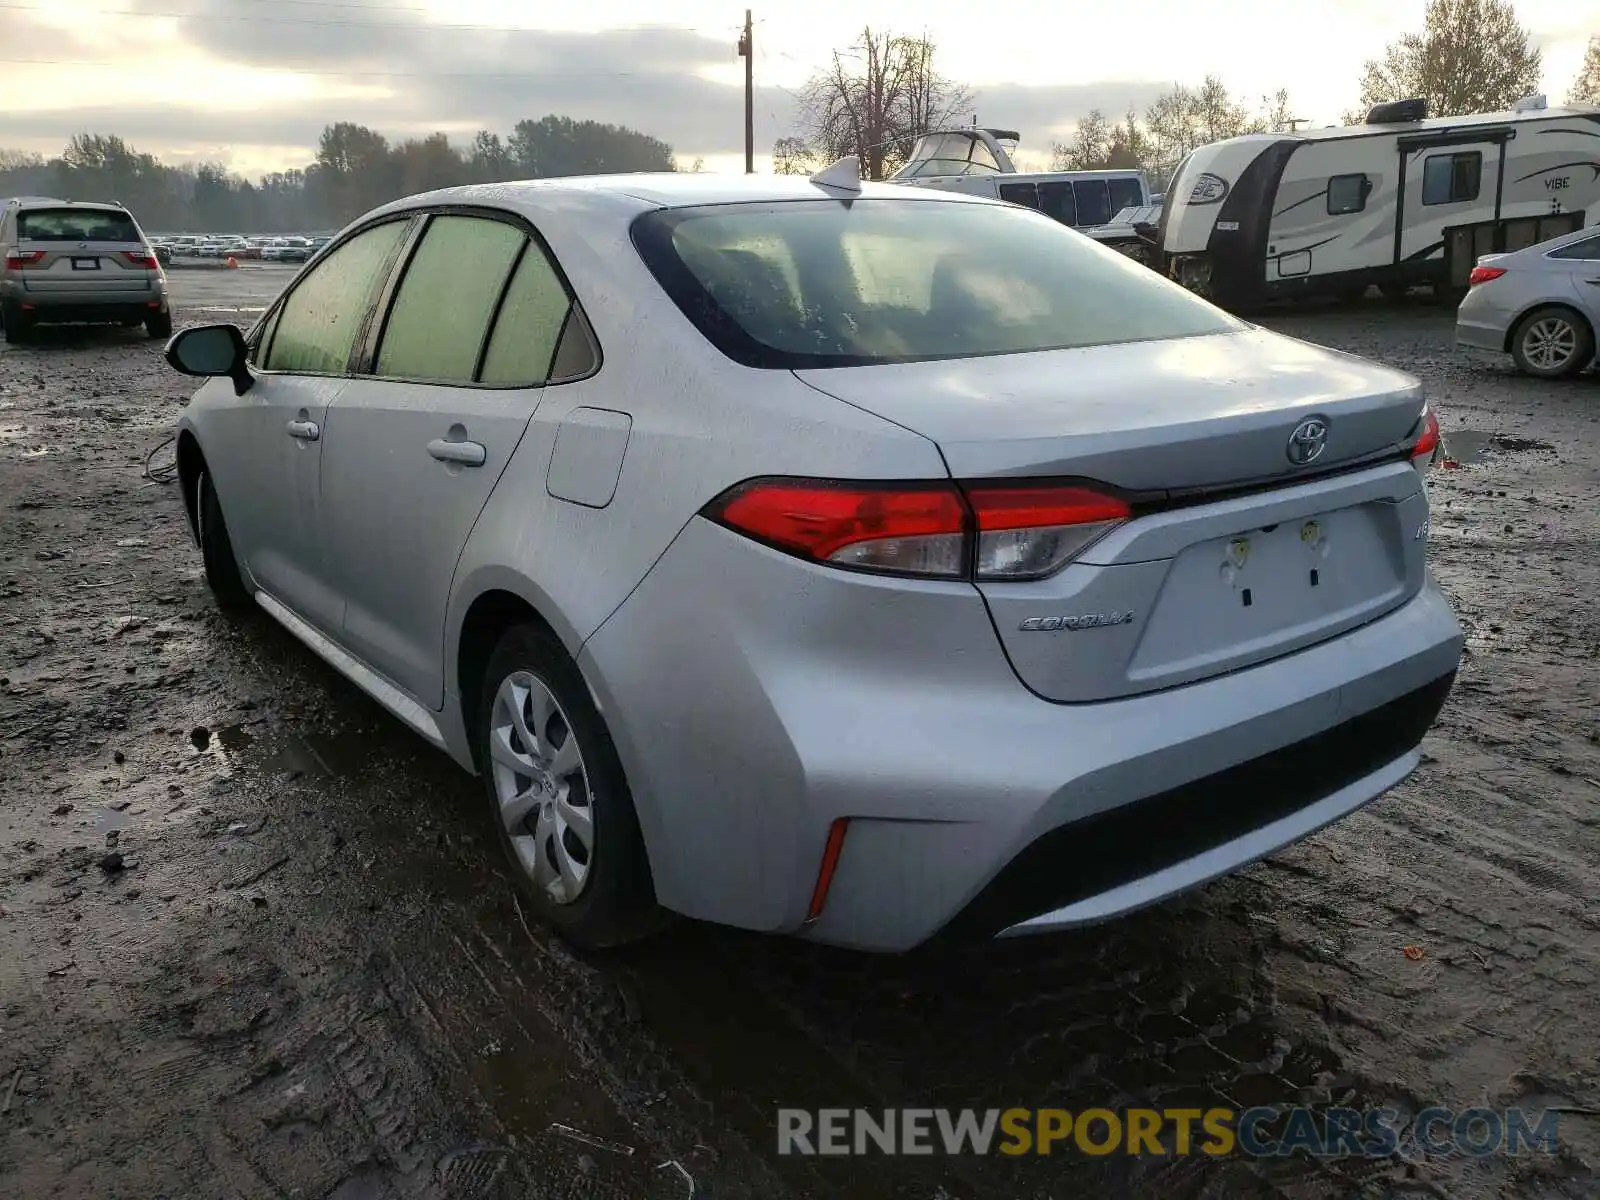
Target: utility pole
(747, 51)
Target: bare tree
(791, 156)
(1275, 115)
(1586, 87)
(1129, 148)
(1184, 117)
(1471, 56)
(876, 97)
(1091, 143)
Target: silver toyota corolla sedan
(1540, 305)
(833, 559)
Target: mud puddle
(1469, 446)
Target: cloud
(408, 78)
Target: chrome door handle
(305, 431)
(466, 454)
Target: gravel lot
(307, 978)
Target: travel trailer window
(1056, 202)
(1347, 194)
(1451, 178)
(1588, 248)
(1094, 203)
(1024, 194)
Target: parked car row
(289, 249)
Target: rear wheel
(1394, 291)
(18, 325)
(558, 797)
(159, 325)
(216, 550)
(1552, 342)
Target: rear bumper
(755, 699)
(1487, 335)
(1482, 324)
(1144, 851)
(50, 307)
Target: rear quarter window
(76, 225)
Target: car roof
(36, 202)
(644, 191)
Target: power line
(533, 75)
(427, 26)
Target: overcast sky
(251, 83)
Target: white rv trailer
(977, 161)
(1401, 200)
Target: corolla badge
(1084, 621)
(1308, 441)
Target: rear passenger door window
(442, 309)
(528, 329)
(320, 319)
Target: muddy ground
(307, 977)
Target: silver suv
(64, 260)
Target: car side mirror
(212, 351)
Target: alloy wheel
(1550, 343)
(541, 786)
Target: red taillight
(138, 258)
(1428, 443)
(1484, 275)
(24, 258)
(908, 529)
(935, 530)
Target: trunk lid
(1193, 412)
(1236, 554)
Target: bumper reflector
(830, 860)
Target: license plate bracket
(86, 264)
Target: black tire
(1394, 291)
(19, 326)
(616, 903)
(1550, 317)
(216, 550)
(159, 325)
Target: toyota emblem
(1308, 441)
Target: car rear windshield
(76, 225)
(829, 284)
